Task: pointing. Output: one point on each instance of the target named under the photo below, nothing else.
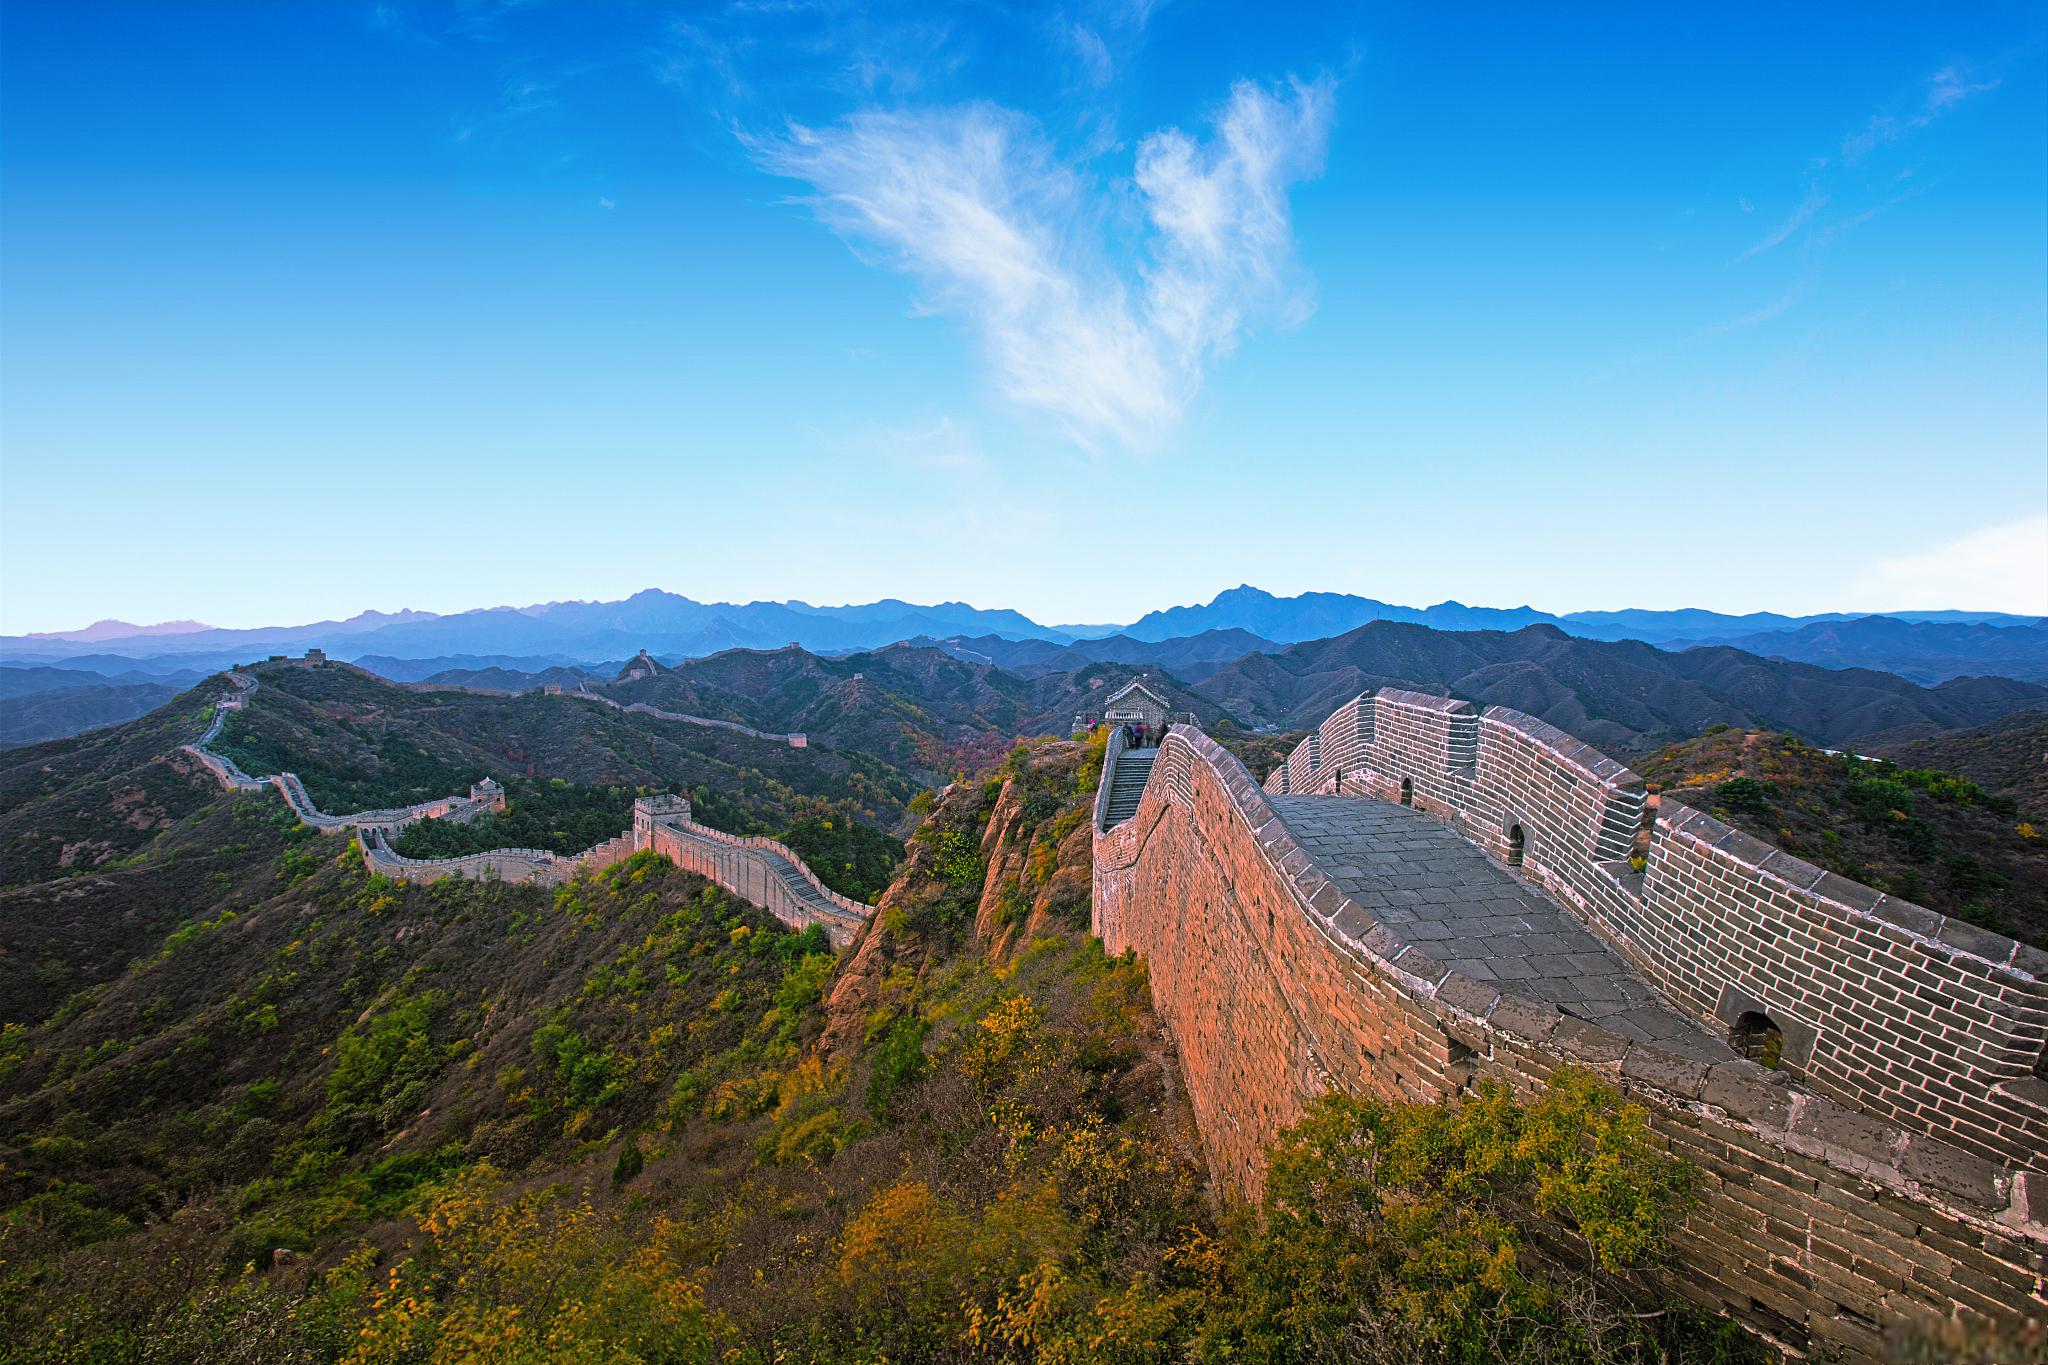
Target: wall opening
(2041, 1064)
(1407, 791)
(1757, 1037)
(1516, 846)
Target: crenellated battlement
(1911, 1016)
(1298, 941)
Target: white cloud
(1096, 63)
(1997, 568)
(1816, 200)
(1757, 317)
(1946, 89)
(976, 204)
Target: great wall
(763, 871)
(1426, 894)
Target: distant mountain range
(1321, 615)
(932, 706)
(511, 647)
(673, 626)
(1618, 695)
(1925, 651)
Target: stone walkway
(1440, 893)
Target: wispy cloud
(974, 202)
(1995, 568)
(1816, 200)
(1933, 97)
(1775, 308)
(1941, 92)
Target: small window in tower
(1516, 846)
(1407, 791)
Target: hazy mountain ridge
(670, 624)
(513, 649)
(1924, 651)
(73, 710)
(1621, 695)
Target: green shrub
(899, 1062)
(630, 1163)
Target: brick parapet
(1278, 986)
(1887, 1006)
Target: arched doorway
(1407, 791)
(1517, 845)
(1758, 1037)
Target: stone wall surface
(1822, 1227)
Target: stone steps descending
(799, 885)
(1127, 784)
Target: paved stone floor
(1443, 895)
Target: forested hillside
(359, 742)
(313, 1116)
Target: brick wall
(1820, 1227)
(1902, 1013)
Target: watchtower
(1135, 703)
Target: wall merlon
(1423, 701)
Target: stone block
(1524, 1018)
(1977, 942)
(1665, 1070)
(1419, 964)
(1383, 942)
(1839, 1131)
(1748, 1091)
(1845, 893)
(1462, 992)
(2030, 1199)
(1744, 849)
(1795, 871)
(1589, 1043)
(1353, 922)
(1950, 1170)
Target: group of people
(1139, 735)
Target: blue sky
(1081, 310)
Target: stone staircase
(1127, 785)
(800, 886)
